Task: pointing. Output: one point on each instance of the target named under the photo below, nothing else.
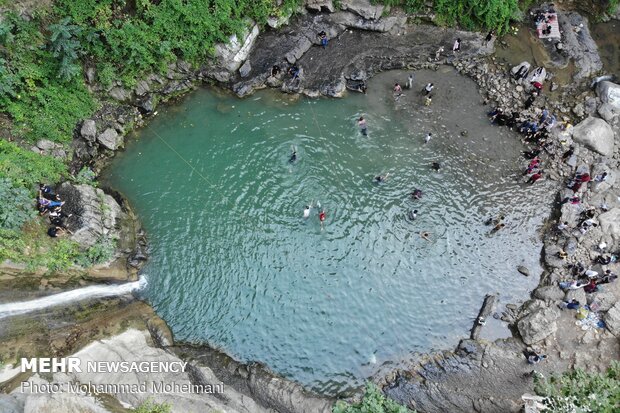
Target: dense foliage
(578, 391)
(16, 207)
(26, 168)
(374, 401)
(469, 14)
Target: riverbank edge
(178, 83)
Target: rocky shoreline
(477, 376)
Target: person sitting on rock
(535, 177)
(294, 72)
(428, 88)
(55, 231)
(275, 70)
(323, 38)
(571, 285)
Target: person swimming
(293, 157)
(412, 215)
(307, 211)
(425, 235)
(381, 178)
(436, 166)
(428, 137)
(416, 194)
(322, 217)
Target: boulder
(320, 6)
(46, 145)
(608, 112)
(110, 139)
(612, 319)
(538, 325)
(89, 130)
(245, 69)
(549, 293)
(595, 134)
(579, 295)
(609, 93)
(120, 94)
(605, 299)
(142, 88)
(231, 55)
(96, 215)
(363, 8)
(523, 270)
(609, 223)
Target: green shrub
(65, 45)
(152, 407)
(86, 176)
(578, 391)
(17, 205)
(101, 251)
(61, 256)
(374, 401)
(26, 168)
(11, 246)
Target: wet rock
(595, 134)
(110, 139)
(160, 332)
(146, 106)
(612, 319)
(88, 130)
(538, 325)
(609, 93)
(579, 46)
(523, 270)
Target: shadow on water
(234, 264)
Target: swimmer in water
(412, 215)
(381, 178)
(293, 157)
(307, 211)
(436, 166)
(428, 137)
(416, 194)
(322, 218)
(425, 235)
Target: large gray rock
(609, 222)
(579, 45)
(320, 5)
(612, 319)
(538, 325)
(595, 134)
(89, 130)
(96, 215)
(120, 94)
(110, 139)
(549, 293)
(363, 8)
(231, 55)
(609, 93)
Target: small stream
(234, 264)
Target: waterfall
(93, 291)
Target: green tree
(65, 45)
(577, 391)
(150, 406)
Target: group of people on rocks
(49, 203)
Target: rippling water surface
(234, 264)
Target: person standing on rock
(363, 127)
(530, 100)
(489, 37)
(457, 46)
(294, 72)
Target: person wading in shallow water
(363, 127)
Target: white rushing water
(93, 291)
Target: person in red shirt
(535, 177)
(322, 217)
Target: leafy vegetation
(152, 407)
(26, 168)
(17, 205)
(374, 401)
(85, 176)
(101, 251)
(469, 14)
(578, 391)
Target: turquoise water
(234, 264)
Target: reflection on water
(234, 264)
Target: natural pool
(234, 264)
